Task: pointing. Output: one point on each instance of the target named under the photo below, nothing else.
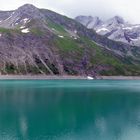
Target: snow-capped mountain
(115, 29)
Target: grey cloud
(129, 9)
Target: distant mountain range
(115, 29)
(40, 41)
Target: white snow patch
(128, 28)
(102, 29)
(25, 30)
(53, 29)
(136, 26)
(26, 20)
(61, 36)
(74, 37)
(0, 35)
(132, 27)
(22, 27)
(134, 39)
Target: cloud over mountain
(102, 8)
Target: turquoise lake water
(69, 110)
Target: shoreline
(65, 77)
(39, 77)
(120, 77)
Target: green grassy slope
(78, 55)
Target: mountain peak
(22, 16)
(27, 7)
(89, 21)
(117, 19)
(29, 11)
(84, 19)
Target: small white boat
(90, 78)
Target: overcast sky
(128, 9)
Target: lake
(69, 110)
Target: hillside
(39, 41)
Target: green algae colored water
(69, 110)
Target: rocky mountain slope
(39, 41)
(115, 29)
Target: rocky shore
(45, 77)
